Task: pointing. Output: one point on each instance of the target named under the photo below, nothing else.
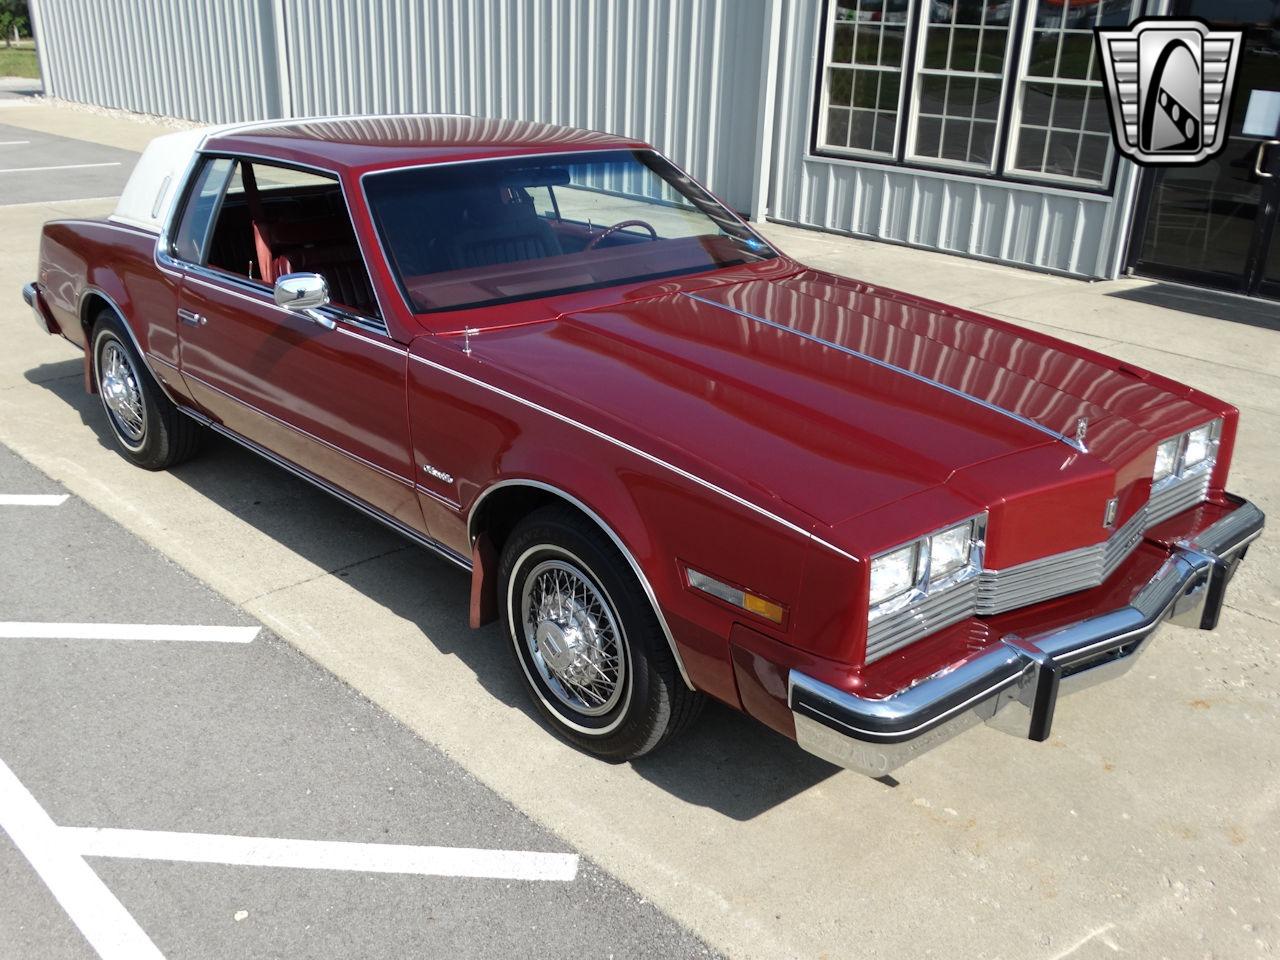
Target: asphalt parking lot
(230, 797)
(1146, 827)
(37, 166)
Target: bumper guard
(1015, 685)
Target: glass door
(1213, 224)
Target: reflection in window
(1064, 129)
(862, 92)
(961, 82)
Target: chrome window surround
(166, 259)
(999, 591)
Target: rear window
(497, 231)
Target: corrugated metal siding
(1065, 231)
(178, 58)
(685, 75)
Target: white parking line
(105, 923)
(13, 143)
(25, 630)
(321, 854)
(61, 166)
(33, 499)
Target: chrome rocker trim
(1015, 685)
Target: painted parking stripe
(24, 630)
(33, 499)
(13, 143)
(60, 166)
(102, 919)
(321, 854)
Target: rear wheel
(149, 430)
(588, 643)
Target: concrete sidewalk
(1147, 824)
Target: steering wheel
(599, 238)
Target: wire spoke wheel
(121, 393)
(573, 638)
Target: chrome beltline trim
(622, 444)
(1074, 444)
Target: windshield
(497, 231)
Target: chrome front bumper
(1015, 685)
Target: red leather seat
(328, 247)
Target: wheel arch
(499, 507)
(93, 300)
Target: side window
(191, 242)
(275, 220)
(544, 202)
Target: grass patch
(19, 62)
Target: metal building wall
(1035, 226)
(685, 75)
(177, 58)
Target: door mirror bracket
(304, 293)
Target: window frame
(1002, 171)
(827, 39)
(167, 254)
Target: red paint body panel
(754, 423)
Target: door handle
(192, 319)
(1262, 153)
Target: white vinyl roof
(154, 184)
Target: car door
(329, 397)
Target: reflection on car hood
(845, 418)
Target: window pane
(1063, 127)
(863, 75)
(966, 51)
(464, 235)
(191, 241)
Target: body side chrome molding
(1071, 442)
(389, 474)
(617, 542)
(369, 510)
(644, 455)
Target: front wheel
(587, 640)
(149, 430)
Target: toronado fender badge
(1169, 84)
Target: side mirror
(303, 293)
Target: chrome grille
(930, 615)
(1168, 499)
(998, 591)
(1060, 574)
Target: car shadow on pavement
(727, 762)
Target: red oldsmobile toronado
(676, 463)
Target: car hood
(831, 395)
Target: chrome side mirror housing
(304, 293)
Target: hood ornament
(1082, 430)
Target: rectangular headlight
(949, 550)
(1166, 459)
(894, 573)
(1200, 445)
